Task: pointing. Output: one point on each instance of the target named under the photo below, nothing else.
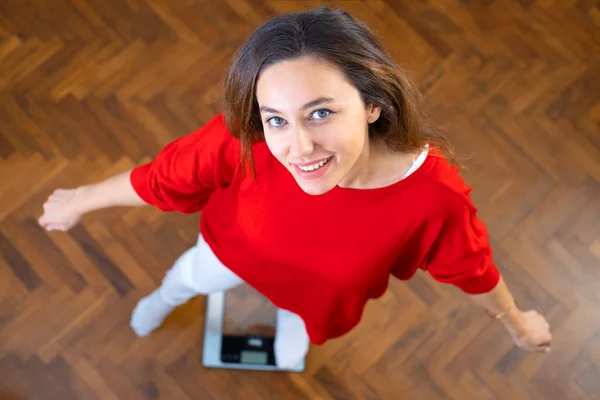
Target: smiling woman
(348, 187)
(324, 73)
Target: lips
(313, 169)
(313, 166)
(306, 164)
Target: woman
(318, 182)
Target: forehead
(292, 83)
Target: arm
(529, 330)
(112, 192)
(65, 207)
(461, 255)
(181, 178)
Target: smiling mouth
(315, 170)
(315, 166)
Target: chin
(315, 187)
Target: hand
(60, 211)
(532, 333)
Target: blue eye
(276, 121)
(320, 114)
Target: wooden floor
(90, 88)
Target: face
(315, 122)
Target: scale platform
(239, 332)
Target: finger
(544, 349)
(541, 317)
(45, 223)
(57, 193)
(544, 346)
(544, 343)
(60, 193)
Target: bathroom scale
(239, 331)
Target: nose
(302, 144)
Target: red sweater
(321, 257)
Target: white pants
(199, 272)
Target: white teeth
(314, 166)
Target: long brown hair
(333, 36)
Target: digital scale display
(252, 350)
(253, 357)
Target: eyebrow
(320, 100)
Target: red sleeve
(461, 254)
(186, 172)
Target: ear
(373, 113)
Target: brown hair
(336, 37)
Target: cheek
(277, 145)
(347, 140)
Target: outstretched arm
(529, 330)
(181, 178)
(65, 207)
(462, 256)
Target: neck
(377, 166)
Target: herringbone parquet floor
(89, 88)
